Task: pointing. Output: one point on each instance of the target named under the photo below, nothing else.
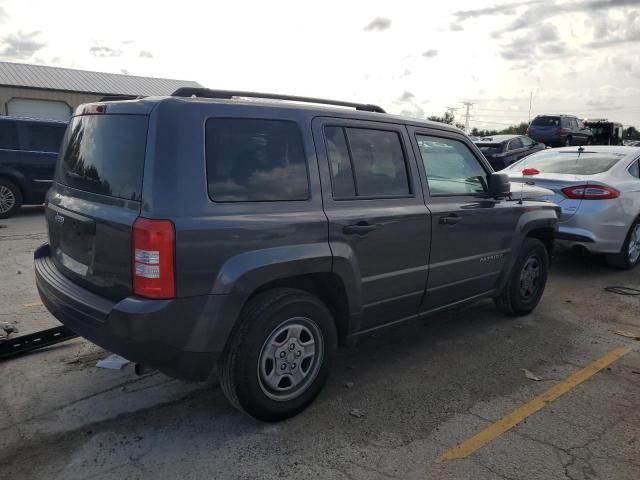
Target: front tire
(527, 280)
(280, 357)
(629, 255)
(10, 198)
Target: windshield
(553, 161)
(104, 154)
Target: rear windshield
(546, 122)
(104, 154)
(489, 148)
(550, 161)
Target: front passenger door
(471, 232)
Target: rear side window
(634, 169)
(251, 160)
(44, 137)
(546, 121)
(366, 163)
(104, 154)
(552, 161)
(8, 136)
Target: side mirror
(499, 185)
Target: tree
(631, 133)
(483, 133)
(520, 129)
(447, 118)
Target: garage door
(48, 109)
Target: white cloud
(494, 52)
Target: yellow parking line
(34, 304)
(509, 421)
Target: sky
(577, 57)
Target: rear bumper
(170, 335)
(599, 226)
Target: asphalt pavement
(445, 398)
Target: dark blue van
(28, 154)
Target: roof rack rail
(228, 94)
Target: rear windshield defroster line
(104, 154)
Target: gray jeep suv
(207, 232)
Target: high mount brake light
(590, 192)
(153, 262)
(94, 108)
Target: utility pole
(530, 101)
(466, 116)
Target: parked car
(503, 150)
(28, 153)
(560, 130)
(605, 132)
(264, 234)
(599, 192)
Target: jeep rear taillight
(154, 272)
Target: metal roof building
(51, 92)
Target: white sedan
(598, 190)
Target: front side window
(8, 136)
(342, 181)
(366, 162)
(252, 160)
(44, 137)
(526, 142)
(451, 167)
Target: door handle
(360, 228)
(449, 220)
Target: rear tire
(280, 356)
(527, 280)
(10, 198)
(629, 255)
(567, 142)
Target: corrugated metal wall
(72, 99)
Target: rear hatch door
(545, 127)
(95, 200)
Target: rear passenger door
(379, 225)
(9, 145)
(471, 232)
(515, 149)
(40, 144)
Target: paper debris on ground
(356, 413)
(112, 362)
(531, 376)
(7, 329)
